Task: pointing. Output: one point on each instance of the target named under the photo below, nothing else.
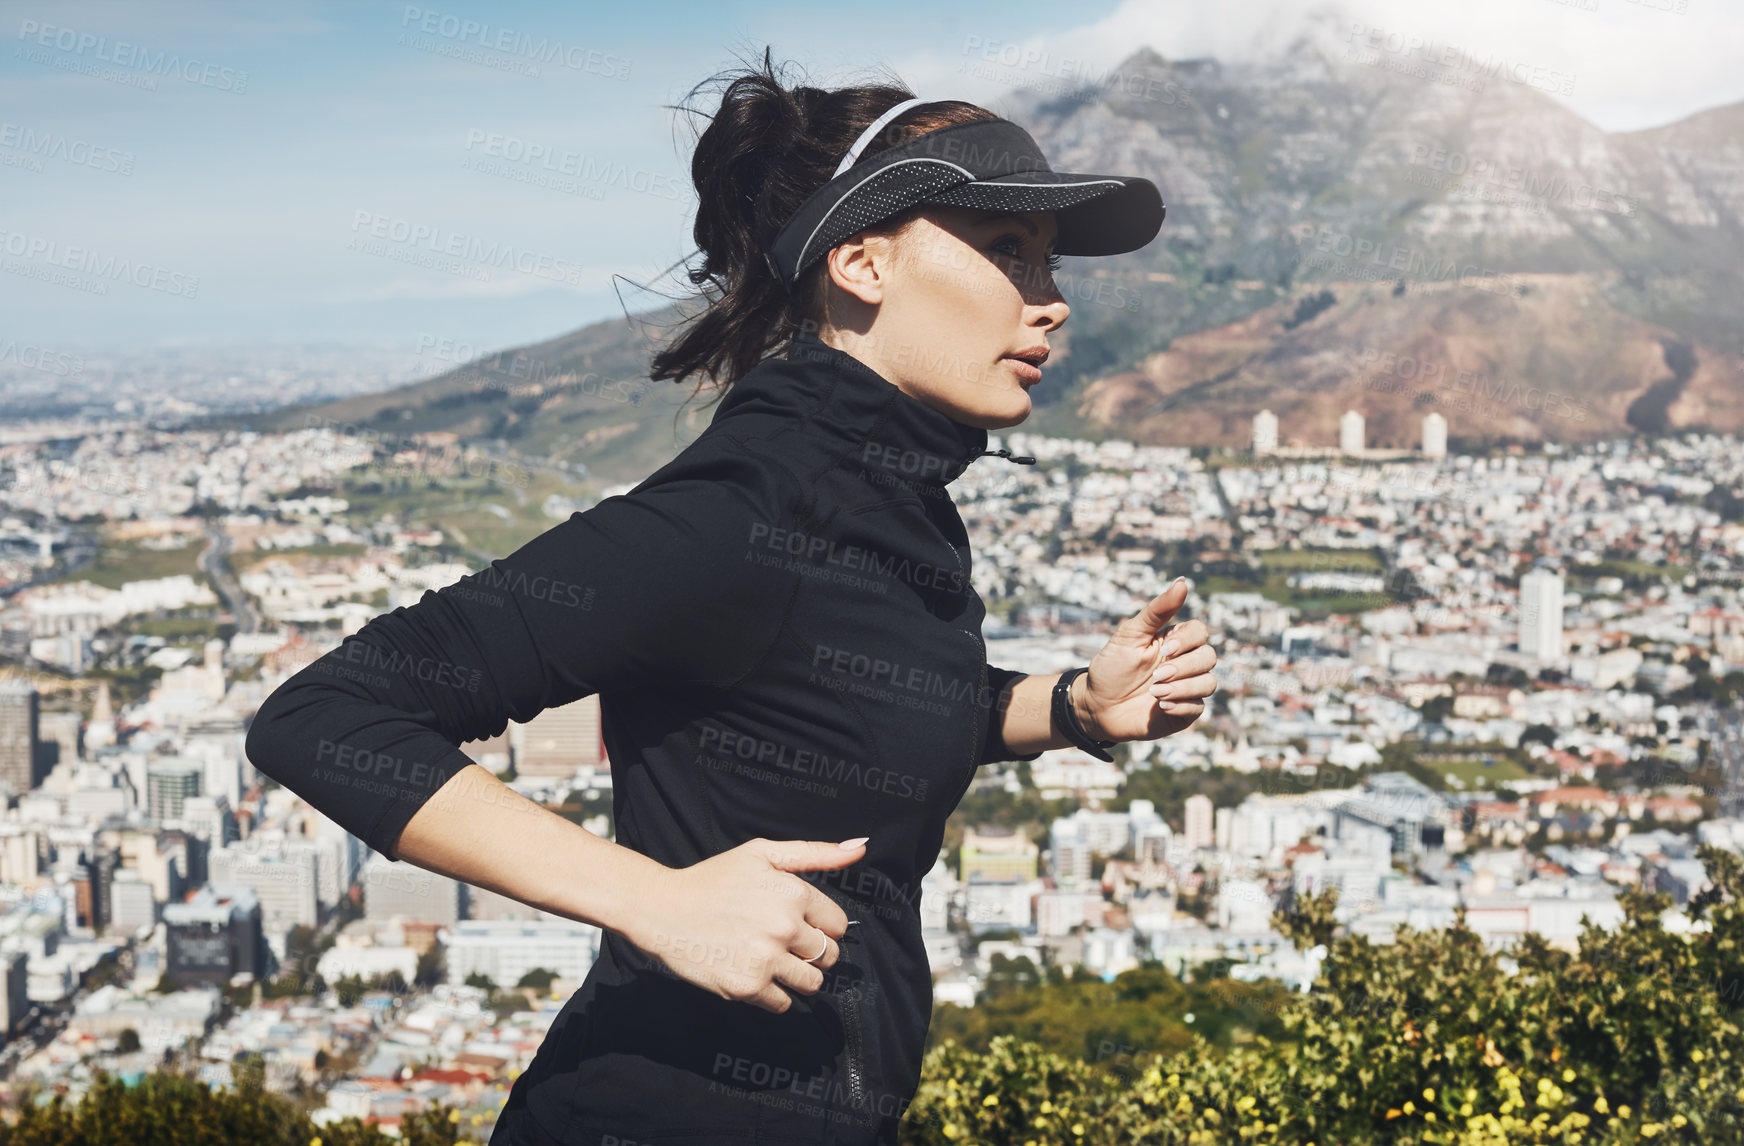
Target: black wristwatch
(1066, 720)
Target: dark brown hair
(766, 149)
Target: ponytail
(766, 149)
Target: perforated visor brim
(1096, 214)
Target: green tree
(167, 1108)
(538, 978)
(350, 989)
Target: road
(215, 564)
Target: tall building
(283, 881)
(997, 853)
(1265, 432)
(214, 935)
(20, 716)
(132, 904)
(60, 729)
(505, 950)
(1434, 435)
(215, 739)
(560, 740)
(1352, 429)
(15, 969)
(399, 890)
(168, 784)
(100, 732)
(1541, 614)
(1198, 831)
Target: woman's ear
(861, 267)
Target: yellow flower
(1649, 1129)
(1078, 1128)
(1464, 1109)
(315, 1141)
(454, 1116)
(1622, 1112)
(1429, 1115)
(950, 1130)
(1410, 1109)
(1174, 1080)
(1429, 1093)
(1567, 1075)
(1678, 1120)
(1696, 1056)
(990, 1100)
(1600, 1105)
(1393, 1113)
(1244, 1102)
(1471, 1092)
(1047, 1107)
(1543, 1085)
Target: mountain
(1463, 221)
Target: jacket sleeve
(993, 747)
(644, 589)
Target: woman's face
(941, 307)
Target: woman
(782, 631)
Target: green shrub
(1426, 1040)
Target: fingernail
(1167, 672)
(850, 845)
(1170, 648)
(1161, 690)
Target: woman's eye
(1016, 242)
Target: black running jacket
(785, 641)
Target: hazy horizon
(241, 156)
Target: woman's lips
(1026, 371)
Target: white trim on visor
(873, 129)
(849, 194)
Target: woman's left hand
(1138, 687)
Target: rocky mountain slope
(1536, 276)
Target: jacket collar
(893, 437)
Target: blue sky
(288, 172)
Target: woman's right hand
(742, 926)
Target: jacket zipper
(980, 686)
(851, 1028)
(851, 999)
